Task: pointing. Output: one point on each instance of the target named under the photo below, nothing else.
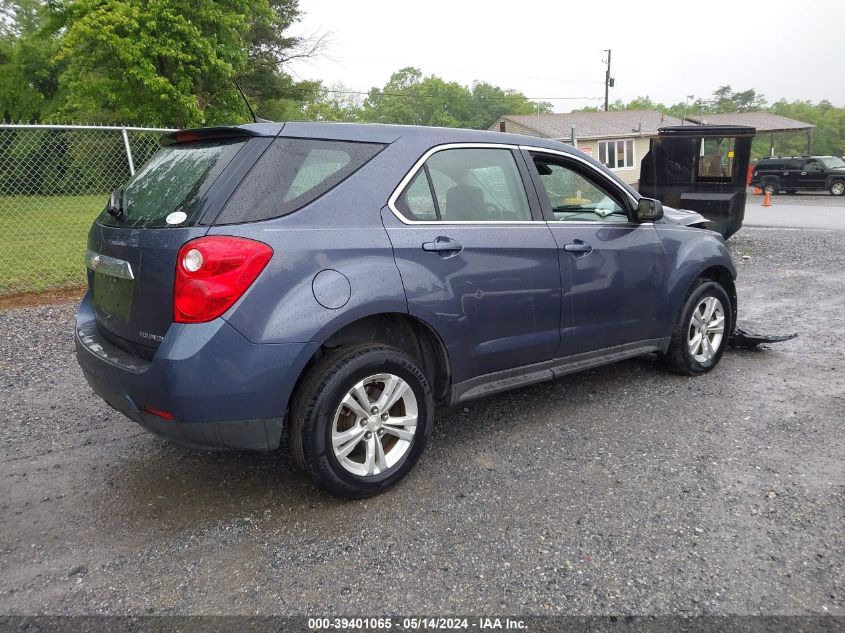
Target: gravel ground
(620, 490)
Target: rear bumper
(222, 391)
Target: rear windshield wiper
(115, 208)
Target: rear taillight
(212, 273)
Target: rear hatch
(132, 250)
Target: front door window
(572, 197)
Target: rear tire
(837, 187)
(338, 434)
(770, 187)
(701, 333)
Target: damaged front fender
(686, 218)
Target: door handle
(578, 247)
(442, 245)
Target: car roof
(382, 133)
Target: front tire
(837, 187)
(701, 333)
(360, 420)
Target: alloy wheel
(706, 329)
(375, 424)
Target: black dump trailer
(702, 168)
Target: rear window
(175, 179)
(292, 173)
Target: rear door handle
(578, 247)
(442, 245)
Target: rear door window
(292, 173)
(175, 179)
(417, 202)
(467, 185)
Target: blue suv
(334, 282)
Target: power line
(436, 96)
(476, 72)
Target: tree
(412, 99)
(19, 101)
(490, 102)
(727, 100)
(151, 63)
(28, 77)
(157, 62)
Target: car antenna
(255, 117)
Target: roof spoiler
(207, 134)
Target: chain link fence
(54, 180)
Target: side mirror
(648, 210)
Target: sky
(554, 50)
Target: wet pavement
(800, 211)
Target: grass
(42, 241)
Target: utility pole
(608, 82)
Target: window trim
(533, 197)
(420, 163)
(617, 140)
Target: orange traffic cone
(767, 200)
(757, 191)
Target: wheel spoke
(400, 390)
(400, 420)
(381, 460)
(716, 325)
(370, 459)
(345, 442)
(389, 386)
(394, 388)
(710, 305)
(706, 348)
(401, 433)
(695, 343)
(361, 397)
(696, 319)
(351, 403)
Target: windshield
(174, 180)
(832, 162)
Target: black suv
(800, 173)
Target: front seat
(464, 202)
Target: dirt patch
(47, 297)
